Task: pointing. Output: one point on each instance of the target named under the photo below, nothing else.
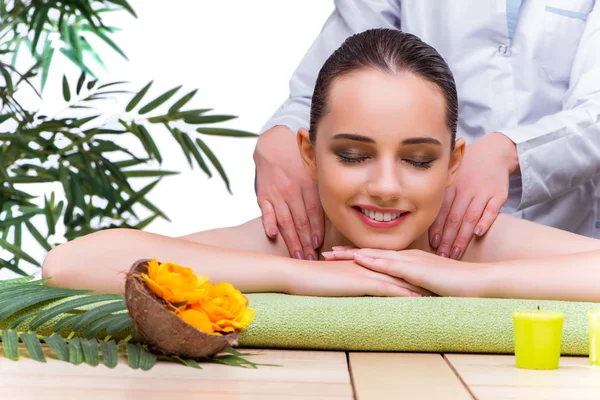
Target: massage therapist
(528, 78)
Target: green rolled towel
(421, 324)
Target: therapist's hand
(287, 197)
(479, 191)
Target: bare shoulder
(512, 238)
(249, 236)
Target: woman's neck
(334, 237)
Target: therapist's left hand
(433, 273)
(479, 191)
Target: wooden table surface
(306, 375)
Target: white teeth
(380, 216)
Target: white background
(239, 54)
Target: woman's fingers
(386, 289)
(268, 218)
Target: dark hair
(389, 51)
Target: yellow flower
(174, 283)
(214, 309)
(226, 307)
(197, 319)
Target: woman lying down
(382, 147)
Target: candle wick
(538, 308)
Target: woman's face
(382, 157)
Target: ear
(307, 153)
(455, 161)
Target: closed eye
(419, 164)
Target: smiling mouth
(380, 216)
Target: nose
(384, 182)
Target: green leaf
(33, 346)
(31, 179)
(112, 44)
(142, 224)
(182, 102)
(17, 220)
(47, 55)
(12, 267)
(178, 135)
(199, 159)
(48, 212)
(38, 236)
(136, 197)
(71, 56)
(64, 322)
(148, 173)
(90, 351)
(66, 90)
(42, 16)
(118, 324)
(110, 355)
(112, 84)
(75, 43)
(75, 351)
(10, 341)
(208, 119)
(58, 346)
(47, 314)
(147, 359)
(214, 162)
(187, 362)
(43, 293)
(130, 163)
(5, 117)
(99, 312)
(14, 324)
(18, 240)
(90, 85)
(133, 355)
(138, 97)
(18, 252)
(225, 132)
(97, 326)
(159, 100)
(80, 82)
(125, 5)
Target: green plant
(79, 326)
(75, 148)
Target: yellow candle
(594, 334)
(538, 335)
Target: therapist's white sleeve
(348, 18)
(562, 151)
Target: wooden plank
(302, 375)
(497, 377)
(404, 375)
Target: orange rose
(226, 307)
(174, 283)
(197, 319)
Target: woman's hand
(346, 278)
(440, 275)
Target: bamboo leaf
(214, 162)
(138, 97)
(110, 354)
(90, 351)
(142, 224)
(11, 248)
(80, 82)
(47, 314)
(135, 197)
(75, 351)
(125, 5)
(42, 16)
(225, 132)
(112, 84)
(182, 102)
(147, 359)
(130, 163)
(118, 324)
(10, 341)
(18, 239)
(33, 346)
(75, 44)
(148, 173)
(112, 44)
(90, 85)
(199, 159)
(178, 135)
(38, 236)
(188, 362)
(58, 346)
(5, 117)
(66, 90)
(159, 100)
(208, 119)
(17, 220)
(133, 355)
(47, 56)
(12, 267)
(50, 220)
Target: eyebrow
(366, 139)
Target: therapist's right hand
(287, 197)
